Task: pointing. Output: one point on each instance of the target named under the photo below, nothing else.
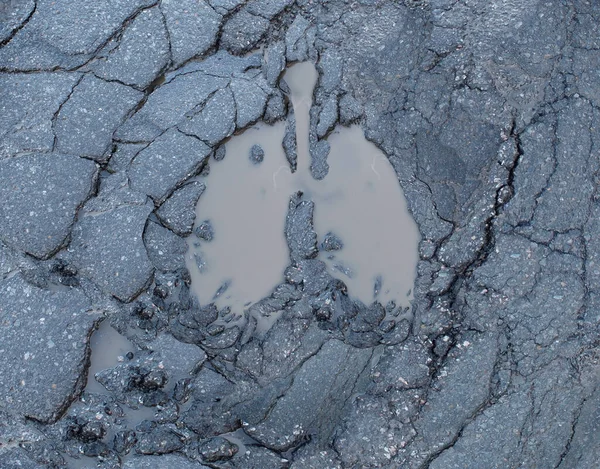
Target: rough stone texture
(327, 117)
(572, 152)
(257, 154)
(198, 100)
(350, 110)
(319, 150)
(217, 449)
(159, 462)
(122, 156)
(118, 264)
(268, 8)
(166, 163)
(139, 55)
(165, 249)
(29, 103)
(275, 63)
(225, 6)
(311, 455)
(205, 231)
(179, 359)
(17, 458)
(243, 31)
(158, 441)
(257, 457)
(298, 39)
(299, 231)
(314, 399)
(13, 15)
(87, 120)
(216, 121)
(193, 27)
(40, 195)
(168, 105)
(56, 36)
(487, 111)
(178, 212)
(250, 98)
(289, 141)
(331, 242)
(42, 371)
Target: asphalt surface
(488, 111)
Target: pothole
(239, 252)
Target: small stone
(217, 449)
(205, 231)
(124, 440)
(257, 154)
(219, 154)
(332, 242)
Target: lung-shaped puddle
(360, 201)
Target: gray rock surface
(118, 264)
(159, 462)
(251, 100)
(29, 104)
(167, 163)
(179, 359)
(289, 141)
(54, 36)
(168, 105)
(315, 398)
(40, 195)
(275, 63)
(216, 121)
(165, 249)
(243, 31)
(298, 39)
(328, 116)
(205, 231)
(487, 111)
(331, 242)
(225, 6)
(139, 54)
(13, 16)
(257, 154)
(349, 109)
(178, 211)
(268, 8)
(188, 99)
(17, 458)
(51, 359)
(299, 231)
(86, 121)
(193, 27)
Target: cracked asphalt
(488, 111)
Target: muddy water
(360, 201)
(108, 350)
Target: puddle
(82, 463)
(108, 350)
(360, 201)
(240, 438)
